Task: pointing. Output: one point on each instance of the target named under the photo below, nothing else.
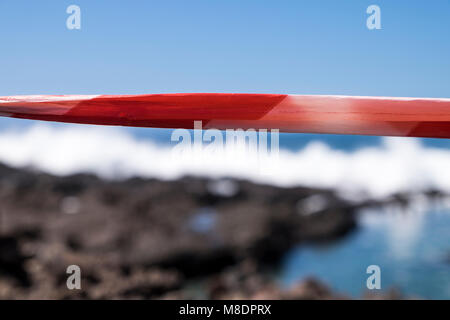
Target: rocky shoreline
(145, 238)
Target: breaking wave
(399, 164)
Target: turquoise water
(412, 249)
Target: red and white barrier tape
(412, 117)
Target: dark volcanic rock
(12, 261)
(148, 237)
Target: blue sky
(297, 47)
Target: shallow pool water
(410, 245)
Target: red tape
(384, 116)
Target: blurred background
(144, 224)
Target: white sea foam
(398, 165)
